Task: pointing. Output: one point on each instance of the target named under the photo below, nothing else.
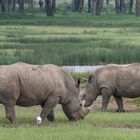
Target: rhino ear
(90, 79)
(77, 82)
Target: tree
(131, 6)
(138, 7)
(6, 5)
(41, 3)
(14, 5)
(120, 6)
(81, 5)
(78, 5)
(9, 5)
(50, 7)
(2, 5)
(96, 7)
(117, 6)
(89, 6)
(21, 6)
(107, 4)
(31, 5)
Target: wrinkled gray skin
(46, 85)
(117, 80)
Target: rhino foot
(120, 110)
(50, 118)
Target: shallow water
(81, 69)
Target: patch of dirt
(113, 106)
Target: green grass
(71, 19)
(83, 76)
(136, 101)
(69, 45)
(97, 125)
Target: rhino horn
(85, 111)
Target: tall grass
(68, 45)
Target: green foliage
(69, 45)
(83, 76)
(135, 101)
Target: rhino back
(124, 79)
(37, 82)
(9, 85)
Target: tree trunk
(131, 6)
(99, 6)
(14, 6)
(54, 5)
(107, 5)
(93, 7)
(96, 7)
(31, 6)
(41, 3)
(3, 5)
(122, 6)
(138, 7)
(117, 6)
(81, 5)
(89, 6)
(76, 5)
(0, 7)
(9, 4)
(21, 6)
(50, 7)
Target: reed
(69, 45)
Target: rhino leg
(10, 113)
(119, 102)
(106, 94)
(48, 106)
(50, 116)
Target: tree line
(95, 7)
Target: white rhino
(46, 85)
(117, 80)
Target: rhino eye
(81, 105)
(84, 96)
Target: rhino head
(91, 91)
(74, 108)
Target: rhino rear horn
(77, 82)
(90, 79)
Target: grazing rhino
(117, 80)
(46, 85)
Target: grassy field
(72, 39)
(70, 45)
(97, 125)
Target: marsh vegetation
(64, 45)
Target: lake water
(81, 69)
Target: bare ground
(128, 106)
